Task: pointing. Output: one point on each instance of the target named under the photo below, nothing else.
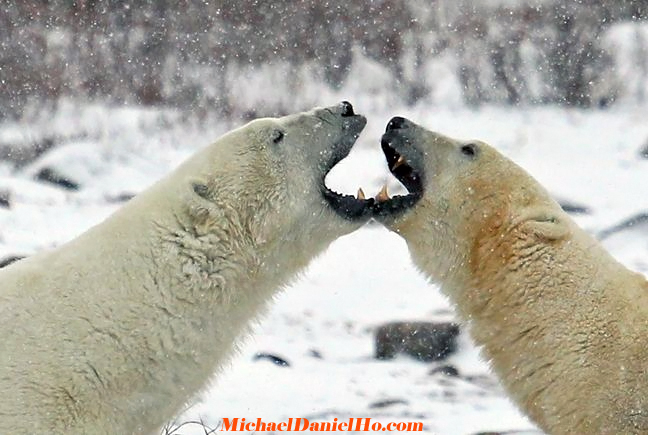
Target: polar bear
(564, 325)
(113, 332)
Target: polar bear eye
(469, 150)
(277, 136)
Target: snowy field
(323, 324)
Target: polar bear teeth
(382, 195)
(399, 162)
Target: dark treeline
(181, 53)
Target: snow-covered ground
(323, 324)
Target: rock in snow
(6, 261)
(5, 198)
(425, 341)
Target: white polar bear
(113, 332)
(564, 325)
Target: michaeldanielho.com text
(304, 425)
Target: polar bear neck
(562, 311)
(164, 301)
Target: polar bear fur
(564, 325)
(113, 332)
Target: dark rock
(5, 198)
(6, 261)
(122, 197)
(315, 353)
(643, 152)
(447, 370)
(21, 154)
(387, 402)
(272, 358)
(633, 221)
(570, 206)
(52, 176)
(425, 341)
(573, 208)
(28, 150)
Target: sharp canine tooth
(360, 194)
(382, 195)
(400, 161)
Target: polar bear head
(474, 201)
(267, 180)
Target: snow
(322, 324)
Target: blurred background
(194, 54)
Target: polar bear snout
(353, 208)
(396, 123)
(347, 109)
(344, 110)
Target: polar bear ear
(277, 136)
(200, 207)
(546, 226)
(200, 189)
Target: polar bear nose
(396, 123)
(347, 109)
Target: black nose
(396, 123)
(347, 109)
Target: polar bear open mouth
(348, 206)
(402, 164)
(401, 168)
(405, 162)
(355, 207)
